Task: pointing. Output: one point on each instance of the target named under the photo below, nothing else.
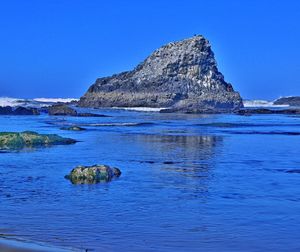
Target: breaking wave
(55, 100)
(37, 102)
(261, 103)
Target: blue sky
(54, 48)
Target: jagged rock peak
(182, 76)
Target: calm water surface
(189, 183)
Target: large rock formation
(182, 76)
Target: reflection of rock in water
(183, 161)
(181, 148)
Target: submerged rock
(18, 111)
(73, 128)
(93, 174)
(91, 115)
(29, 139)
(181, 76)
(293, 171)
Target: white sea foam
(261, 103)
(54, 100)
(9, 101)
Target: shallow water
(189, 183)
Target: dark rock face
(292, 101)
(29, 139)
(182, 76)
(93, 174)
(18, 111)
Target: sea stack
(180, 76)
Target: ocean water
(188, 183)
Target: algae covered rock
(29, 139)
(93, 174)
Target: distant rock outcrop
(180, 76)
(267, 111)
(64, 110)
(8, 110)
(61, 110)
(291, 101)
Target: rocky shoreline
(65, 110)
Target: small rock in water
(91, 115)
(168, 162)
(148, 162)
(293, 171)
(73, 128)
(93, 174)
